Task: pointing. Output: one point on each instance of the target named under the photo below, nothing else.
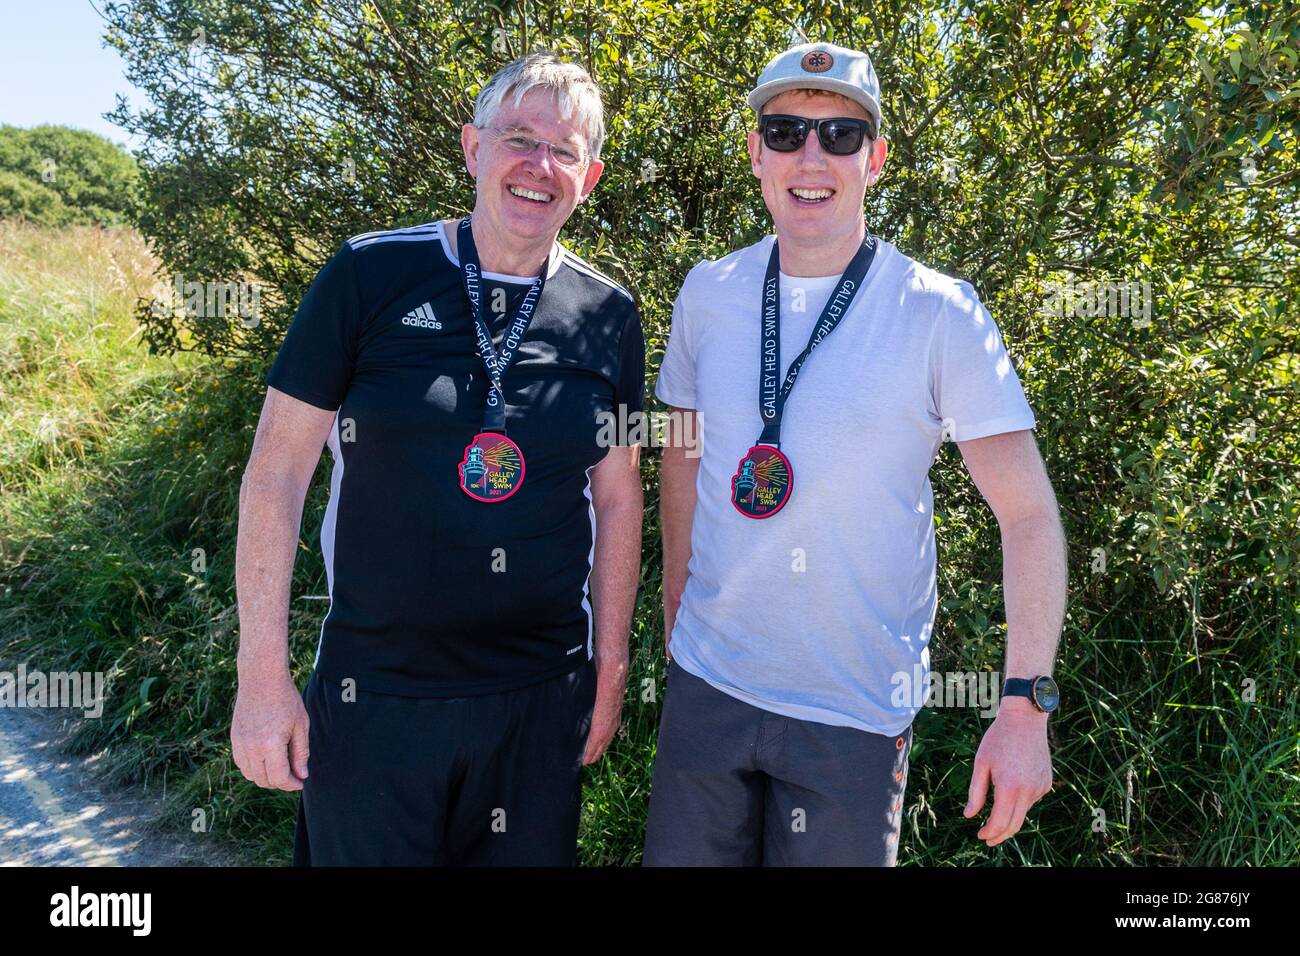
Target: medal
(764, 478)
(762, 483)
(492, 467)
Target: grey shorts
(735, 785)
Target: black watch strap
(1018, 687)
(1024, 687)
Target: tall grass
(66, 333)
(117, 466)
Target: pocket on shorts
(903, 749)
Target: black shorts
(736, 785)
(493, 779)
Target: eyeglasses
(839, 135)
(517, 142)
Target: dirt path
(54, 812)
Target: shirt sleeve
(630, 391)
(676, 382)
(318, 354)
(974, 386)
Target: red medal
(762, 483)
(492, 469)
(764, 478)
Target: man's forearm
(614, 579)
(676, 511)
(270, 515)
(1034, 584)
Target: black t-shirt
(431, 592)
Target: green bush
(57, 176)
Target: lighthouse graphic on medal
(492, 469)
(762, 483)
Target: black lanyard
(771, 401)
(496, 363)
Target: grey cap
(820, 66)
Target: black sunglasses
(839, 135)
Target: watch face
(1046, 693)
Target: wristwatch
(1041, 691)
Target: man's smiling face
(528, 195)
(813, 194)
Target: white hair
(574, 89)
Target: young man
(457, 370)
(799, 550)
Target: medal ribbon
(496, 363)
(771, 401)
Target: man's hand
(1013, 756)
(270, 723)
(1008, 471)
(268, 735)
(618, 500)
(607, 715)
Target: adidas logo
(422, 317)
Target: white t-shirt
(813, 611)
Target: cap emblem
(817, 61)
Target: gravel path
(54, 812)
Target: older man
(478, 536)
(799, 551)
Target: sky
(55, 68)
